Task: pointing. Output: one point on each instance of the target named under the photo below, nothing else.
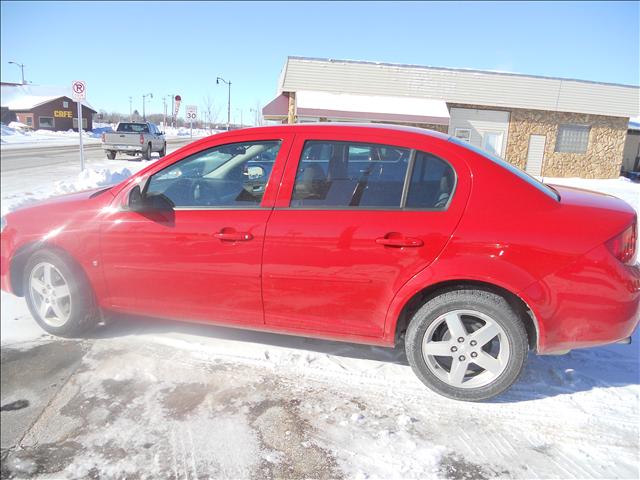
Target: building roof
(472, 87)
(26, 97)
(361, 107)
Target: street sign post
(192, 114)
(79, 93)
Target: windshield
(513, 169)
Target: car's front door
(355, 219)
(201, 259)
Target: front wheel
(467, 344)
(111, 154)
(163, 152)
(58, 295)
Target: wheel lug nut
(454, 349)
(460, 339)
(474, 354)
(473, 343)
(462, 358)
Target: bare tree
(210, 110)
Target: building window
(46, 122)
(65, 104)
(84, 123)
(463, 134)
(572, 138)
(29, 121)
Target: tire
(163, 152)
(111, 154)
(60, 301)
(147, 152)
(491, 329)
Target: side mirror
(254, 173)
(136, 201)
(142, 203)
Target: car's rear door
(201, 260)
(356, 217)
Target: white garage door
(487, 129)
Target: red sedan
(371, 234)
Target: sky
(127, 49)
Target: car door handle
(233, 236)
(400, 242)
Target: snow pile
(89, 179)
(14, 136)
(173, 132)
(85, 180)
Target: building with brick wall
(547, 126)
(44, 108)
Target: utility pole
(218, 80)
(144, 115)
(164, 104)
(131, 109)
(171, 112)
(21, 65)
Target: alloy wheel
(50, 294)
(466, 349)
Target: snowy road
(24, 157)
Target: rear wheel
(58, 295)
(147, 152)
(111, 154)
(467, 344)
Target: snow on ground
(187, 401)
(13, 137)
(58, 180)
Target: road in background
(38, 156)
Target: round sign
(78, 87)
(178, 98)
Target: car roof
(382, 127)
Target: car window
(225, 176)
(345, 174)
(432, 182)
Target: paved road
(25, 158)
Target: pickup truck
(134, 138)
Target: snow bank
(13, 136)
(85, 180)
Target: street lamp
(21, 65)
(171, 97)
(144, 115)
(131, 109)
(218, 80)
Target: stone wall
(602, 159)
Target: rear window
(133, 127)
(515, 170)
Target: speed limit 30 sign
(191, 113)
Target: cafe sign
(63, 113)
